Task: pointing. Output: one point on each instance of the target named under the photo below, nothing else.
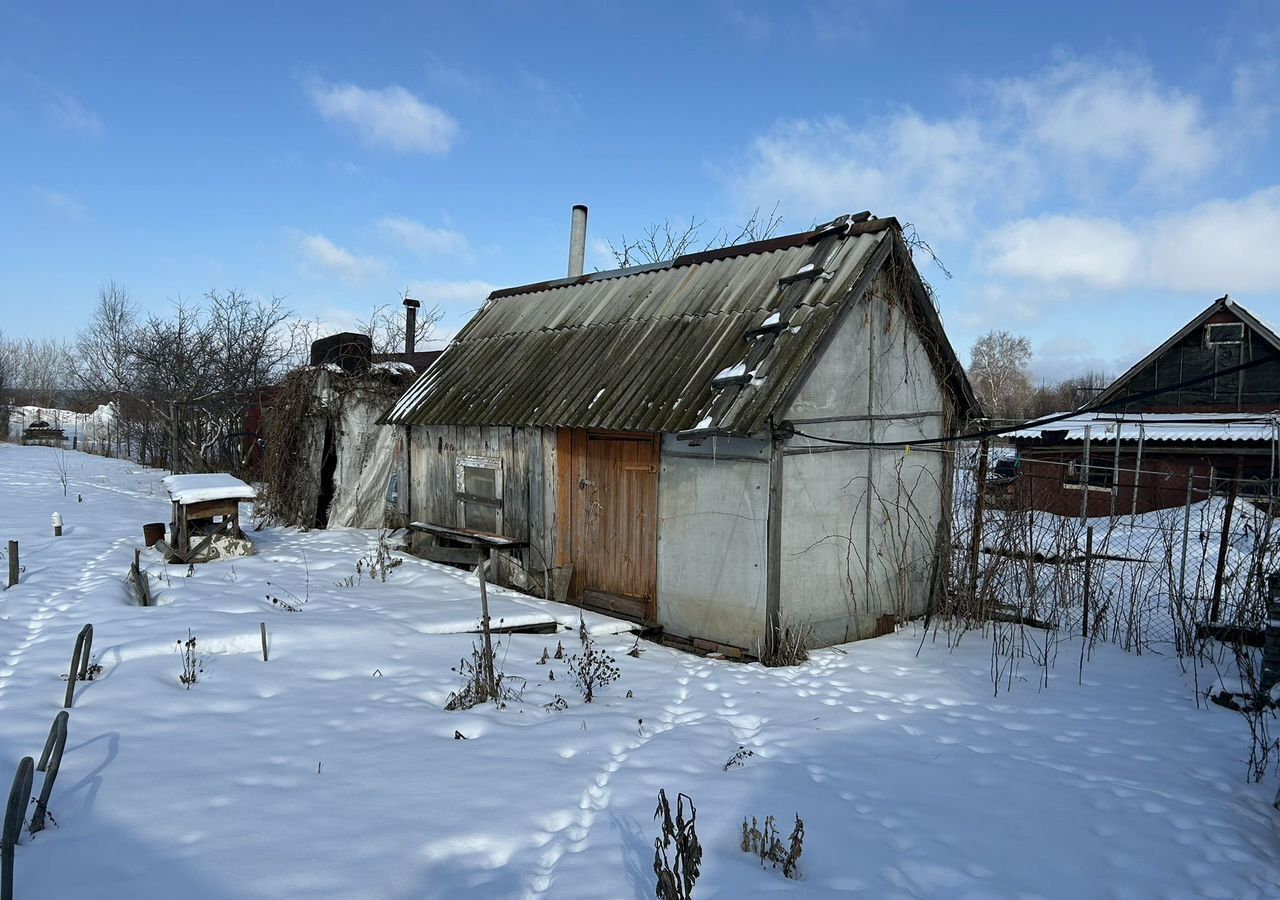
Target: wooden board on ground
(633, 609)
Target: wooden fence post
(13, 563)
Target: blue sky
(1093, 175)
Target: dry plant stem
(678, 871)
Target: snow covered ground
(332, 771)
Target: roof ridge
(854, 224)
(828, 300)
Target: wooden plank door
(611, 500)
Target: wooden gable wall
(1253, 390)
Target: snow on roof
(1158, 427)
(187, 489)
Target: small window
(1099, 477)
(478, 487)
(1223, 333)
(1255, 481)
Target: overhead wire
(1040, 422)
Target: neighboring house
(653, 436)
(1153, 440)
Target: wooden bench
(463, 546)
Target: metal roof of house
(1157, 427)
(711, 342)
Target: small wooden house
(1196, 416)
(683, 442)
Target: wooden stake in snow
(490, 681)
(262, 626)
(13, 563)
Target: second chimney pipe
(578, 241)
(410, 323)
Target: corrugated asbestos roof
(1169, 427)
(711, 342)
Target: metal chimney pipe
(410, 323)
(578, 241)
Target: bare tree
(998, 367)
(104, 348)
(1070, 393)
(181, 382)
(6, 365)
(385, 327)
(661, 242)
(37, 369)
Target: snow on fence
(1158, 580)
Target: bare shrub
(192, 665)
(592, 669)
(791, 648)
(676, 873)
(60, 470)
(379, 561)
(477, 688)
(738, 758)
(766, 843)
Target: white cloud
(1216, 247)
(1088, 113)
(69, 114)
(388, 117)
(61, 205)
(753, 26)
(423, 240)
(1097, 252)
(1079, 130)
(322, 258)
(933, 173)
(1220, 246)
(468, 294)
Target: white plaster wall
(711, 544)
(859, 525)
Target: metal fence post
(79, 663)
(19, 796)
(1271, 646)
(50, 763)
